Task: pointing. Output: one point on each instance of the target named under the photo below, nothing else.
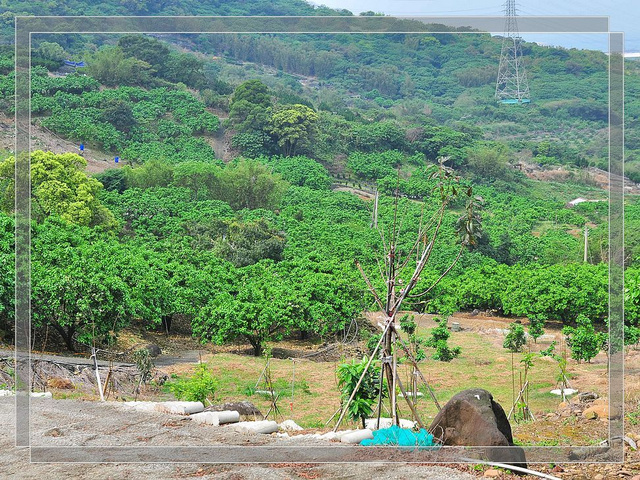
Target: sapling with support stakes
(401, 280)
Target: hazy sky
(624, 15)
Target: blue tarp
(402, 437)
(74, 64)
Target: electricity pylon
(512, 85)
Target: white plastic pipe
(227, 416)
(357, 436)
(263, 426)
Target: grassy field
(309, 393)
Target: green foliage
(439, 340)
(583, 340)
(417, 344)
(246, 243)
(112, 68)
(490, 162)
(250, 184)
(536, 327)
(59, 186)
(199, 387)
(515, 338)
(7, 276)
(144, 364)
(258, 307)
(385, 135)
(301, 171)
(548, 352)
(293, 127)
(248, 108)
(371, 166)
(361, 406)
(79, 284)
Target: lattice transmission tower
(512, 85)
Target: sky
(624, 15)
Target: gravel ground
(71, 422)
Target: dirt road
(69, 423)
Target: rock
(491, 473)
(154, 350)
(599, 476)
(290, 426)
(475, 312)
(473, 418)
(600, 411)
(636, 477)
(585, 397)
(590, 414)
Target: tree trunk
(257, 346)
(67, 335)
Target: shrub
(198, 388)
(583, 340)
(361, 407)
(438, 340)
(515, 339)
(536, 327)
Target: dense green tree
(293, 127)
(59, 186)
(112, 67)
(490, 162)
(250, 184)
(583, 340)
(246, 243)
(76, 286)
(248, 108)
(259, 307)
(202, 178)
(301, 171)
(144, 48)
(7, 275)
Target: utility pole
(512, 85)
(586, 242)
(374, 217)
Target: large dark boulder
(473, 418)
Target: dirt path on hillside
(43, 139)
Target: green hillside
(258, 241)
